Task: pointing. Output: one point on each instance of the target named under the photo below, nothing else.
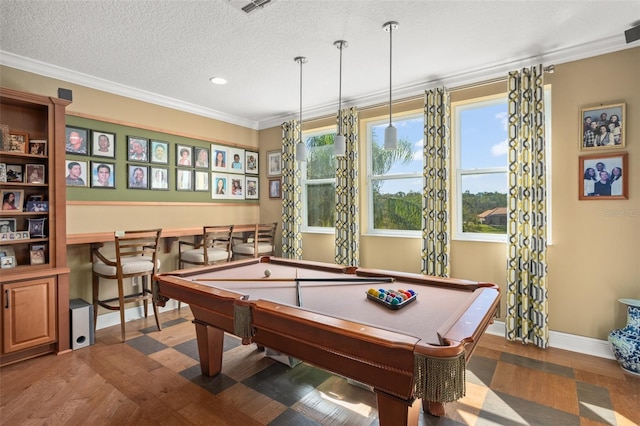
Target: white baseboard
(569, 342)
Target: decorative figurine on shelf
(625, 342)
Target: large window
(395, 177)
(319, 182)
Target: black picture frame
(252, 190)
(77, 140)
(37, 227)
(134, 179)
(159, 152)
(184, 180)
(184, 155)
(201, 156)
(137, 149)
(201, 181)
(159, 178)
(97, 175)
(103, 144)
(251, 162)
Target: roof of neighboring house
(497, 210)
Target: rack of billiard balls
(392, 299)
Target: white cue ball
(267, 273)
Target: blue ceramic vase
(625, 342)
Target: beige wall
(594, 258)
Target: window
(319, 182)
(395, 177)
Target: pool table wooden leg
(433, 408)
(210, 348)
(394, 411)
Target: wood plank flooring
(155, 379)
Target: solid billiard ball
(267, 273)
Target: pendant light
(390, 133)
(339, 142)
(301, 148)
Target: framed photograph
(36, 257)
(236, 186)
(35, 173)
(218, 158)
(5, 137)
(103, 175)
(251, 162)
(7, 224)
(36, 227)
(15, 173)
(184, 156)
(602, 127)
(137, 149)
(3, 172)
(159, 152)
(37, 206)
(76, 173)
(38, 147)
(274, 163)
(18, 142)
(8, 262)
(77, 140)
(159, 178)
(252, 191)
(202, 180)
(35, 197)
(103, 144)
(12, 199)
(220, 185)
(236, 160)
(275, 188)
(603, 177)
(137, 176)
(202, 157)
(184, 180)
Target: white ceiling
(165, 51)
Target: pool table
(320, 313)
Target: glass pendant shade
(339, 146)
(301, 151)
(390, 137)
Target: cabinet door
(28, 314)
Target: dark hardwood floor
(154, 378)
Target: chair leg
(96, 289)
(121, 303)
(144, 292)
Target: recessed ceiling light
(218, 80)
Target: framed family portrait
(252, 191)
(602, 127)
(275, 188)
(103, 144)
(220, 185)
(159, 178)
(103, 175)
(159, 152)
(35, 173)
(184, 156)
(218, 158)
(18, 142)
(274, 163)
(12, 199)
(77, 140)
(37, 147)
(251, 162)
(236, 160)
(137, 149)
(604, 177)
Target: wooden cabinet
(34, 274)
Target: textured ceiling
(165, 51)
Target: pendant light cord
(340, 93)
(390, 67)
(300, 124)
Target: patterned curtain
(347, 198)
(435, 193)
(527, 316)
(291, 191)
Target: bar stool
(262, 244)
(136, 256)
(214, 247)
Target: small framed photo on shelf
(184, 156)
(7, 224)
(160, 178)
(18, 142)
(202, 180)
(220, 185)
(103, 175)
(76, 173)
(15, 173)
(184, 180)
(237, 186)
(603, 177)
(12, 199)
(38, 147)
(3, 172)
(275, 188)
(5, 137)
(218, 158)
(159, 152)
(236, 160)
(35, 197)
(274, 163)
(35, 173)
(137, 176)
(7, 262)
(37, 257)
(602, 127)
(36, 227)
(202, 157)
(103, 144)
(252, 191)
(137, 149)
(37, 206)
(77, 140)
(251, 162)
